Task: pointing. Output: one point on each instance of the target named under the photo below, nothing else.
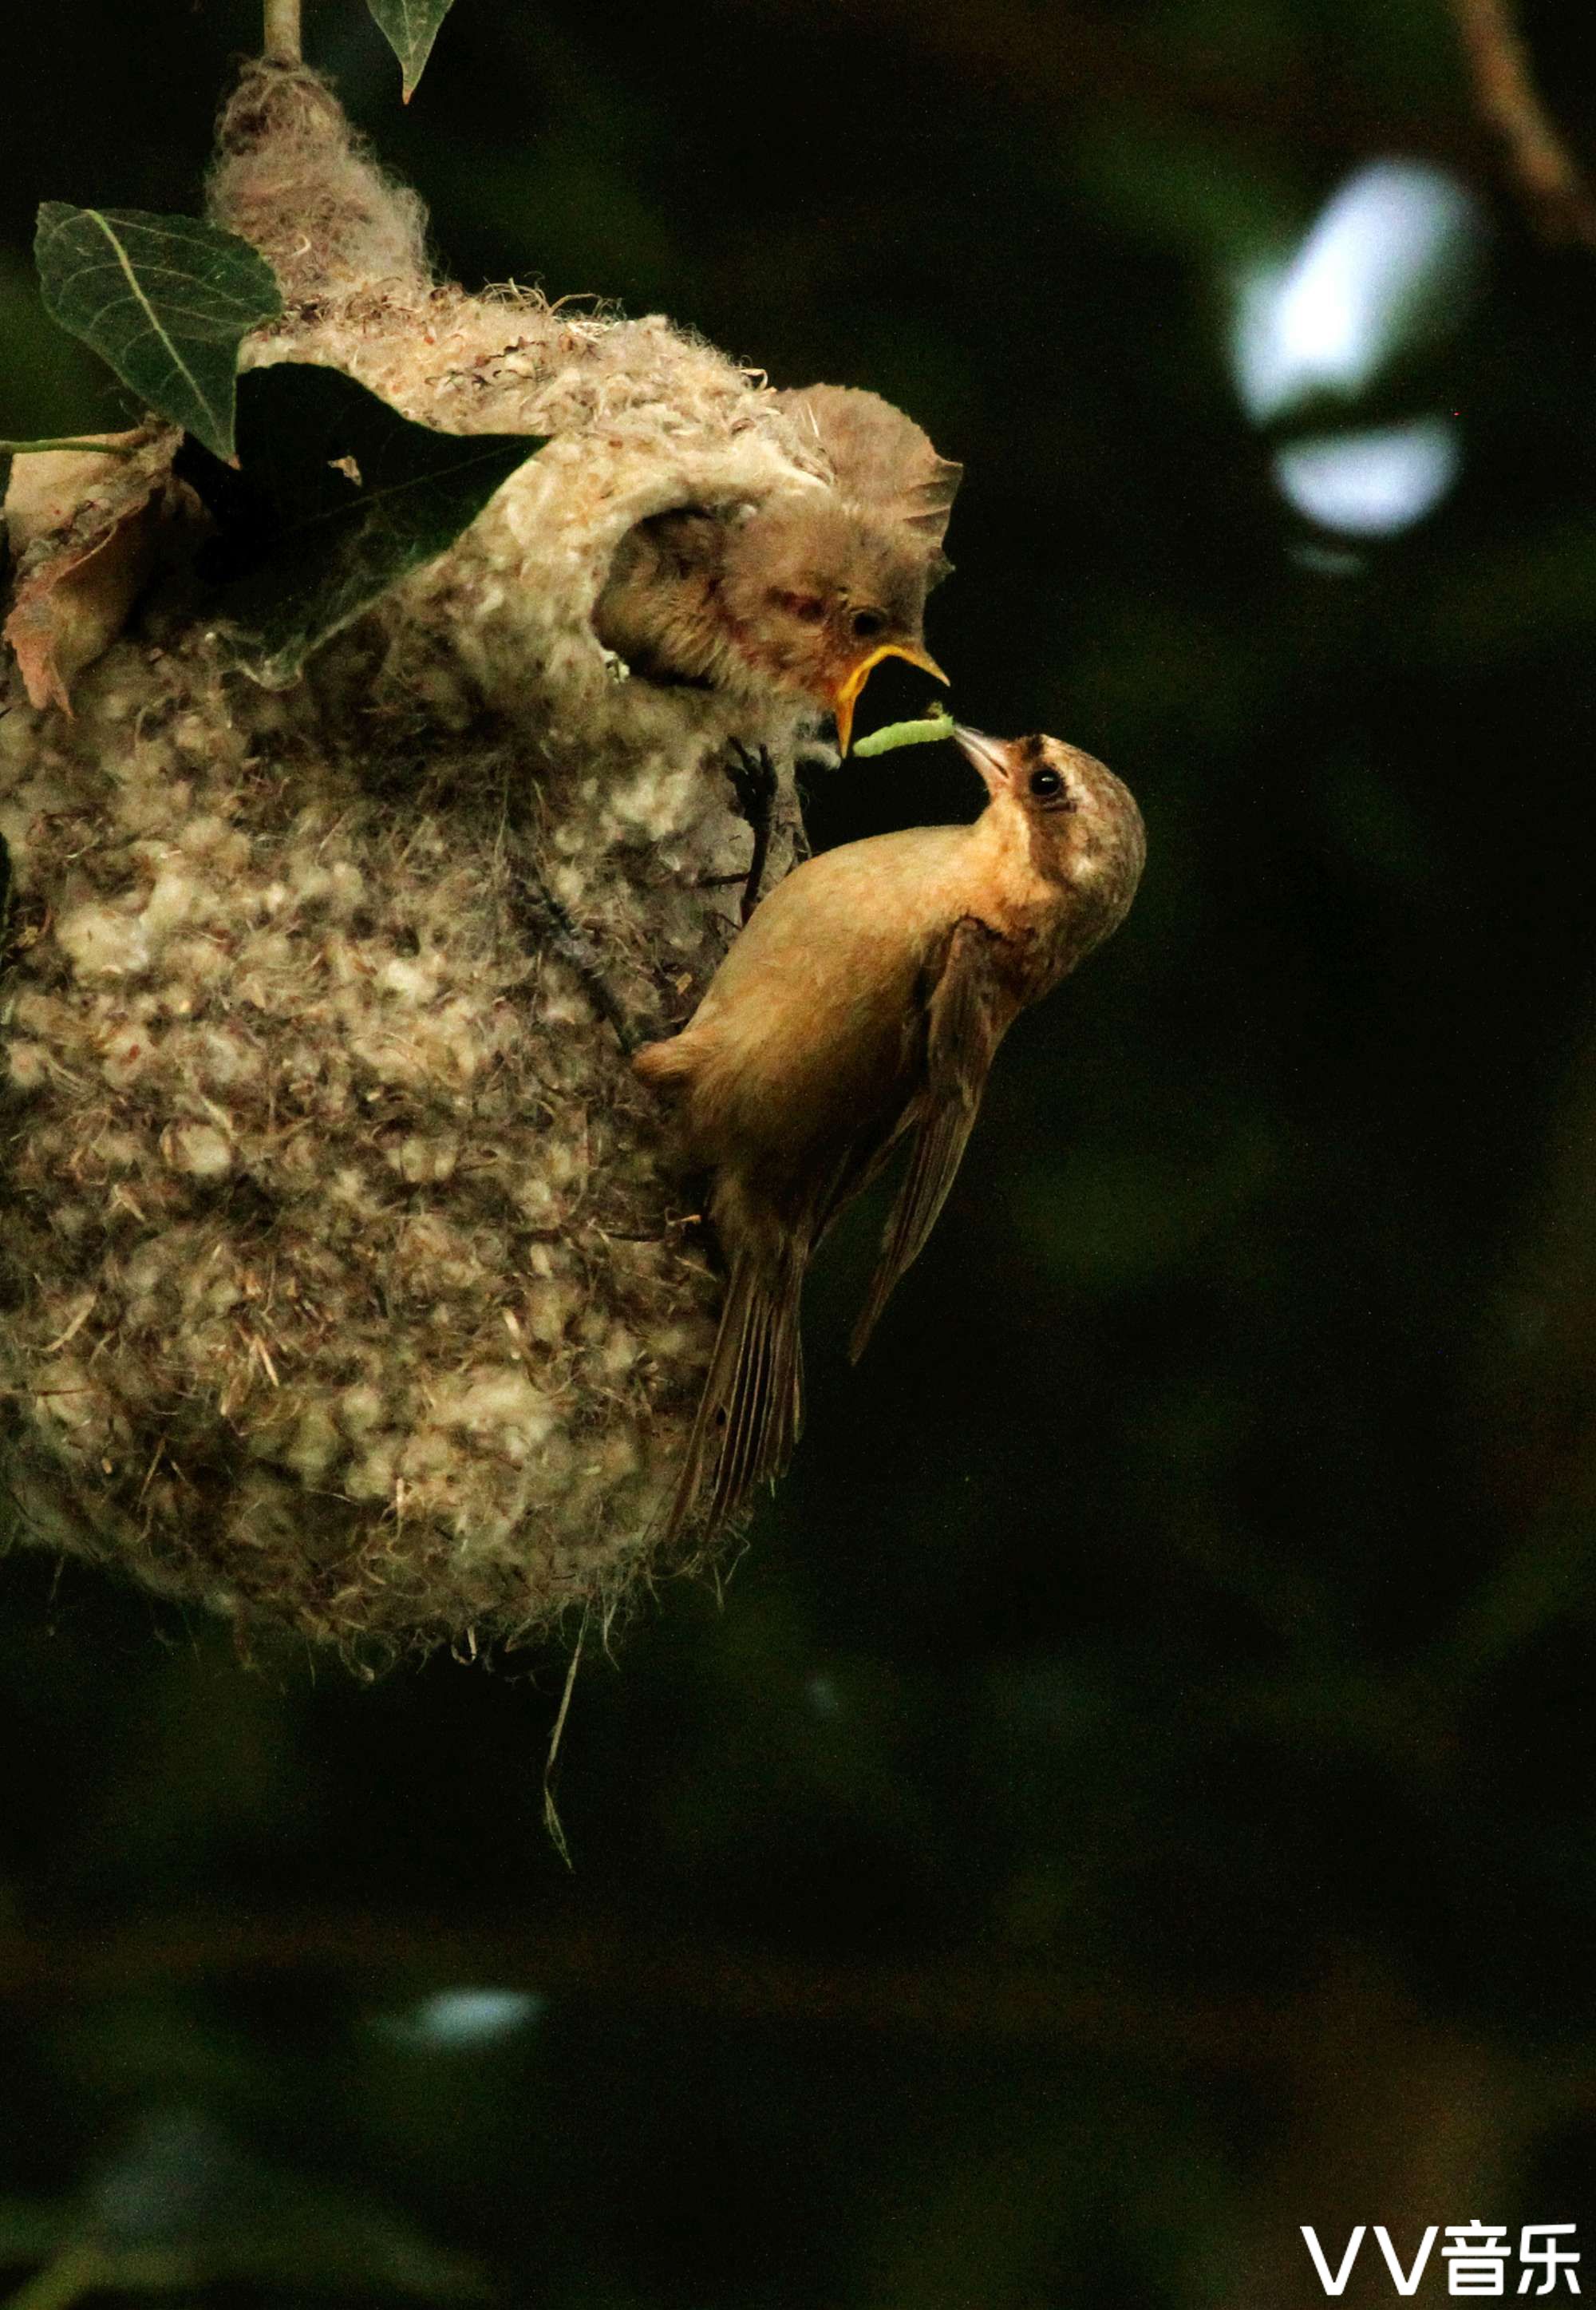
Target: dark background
(1135, 1797)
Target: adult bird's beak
(989, 755)
(846, 695)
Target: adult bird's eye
(867, 622)
(1046, 784)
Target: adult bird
(861, 1005)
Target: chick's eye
(808, 608)
(867, 623)
(1046, 785)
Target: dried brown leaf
(87, 532)
(52, 492)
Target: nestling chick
(862, 1004)
(803, 592)
(880, 460)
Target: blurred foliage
(1134, 1798)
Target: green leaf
(337, 498)
(167, 300)
(410, 27)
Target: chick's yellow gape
(862, 1004)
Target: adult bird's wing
(880, 458)
(968, 1010)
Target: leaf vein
(139, 298)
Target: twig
(551, 1820)
(281, 45)
(542, 910)
(1551, 181)
(99, 449)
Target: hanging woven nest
(342, 1282)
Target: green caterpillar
(937, 724)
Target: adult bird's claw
(755, 785)
(578, 952)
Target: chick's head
(818, 593)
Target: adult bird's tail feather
(751, 1409)
(933, 1160)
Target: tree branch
(1549, 179)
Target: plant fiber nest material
(341, 1282)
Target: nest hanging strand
(282, 41)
